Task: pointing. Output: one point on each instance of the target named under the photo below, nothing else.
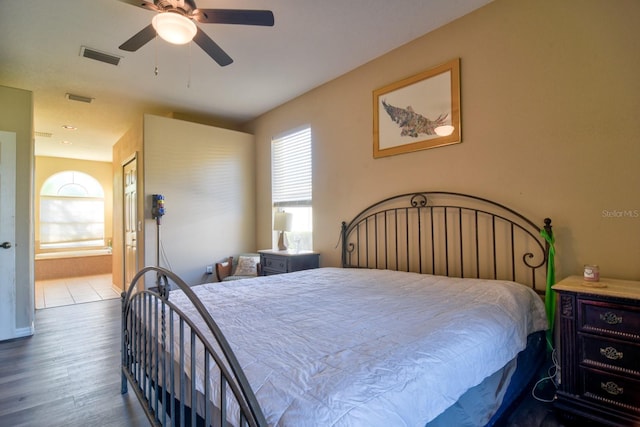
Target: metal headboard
(449, 234)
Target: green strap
(549, 296)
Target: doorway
(73, 222)
(7, 235)
(130, 220)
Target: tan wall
(550, 97)
(207, 177)
(209, 190)
(16, 115)
(102, 171)
(127, 148)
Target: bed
(434, 318)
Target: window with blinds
(291, 185)
(71, 211)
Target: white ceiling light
(174, 28)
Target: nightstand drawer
(622, 393)
(274, 264)
(616, 355)
(278, 262)
(610, 319)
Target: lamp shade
(282, 221)
(174, 28)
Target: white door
(7, 235)
(130, 183)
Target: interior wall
(129, 146)
(101, 171)
(207, 176)
(549, 98)
(16, 115)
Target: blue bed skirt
(479, 403)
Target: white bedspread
(354, 347)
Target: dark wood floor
(67, 374)
(534, 413)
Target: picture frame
(407, 113)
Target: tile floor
(74, 290)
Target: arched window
(71, 211)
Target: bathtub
(58, 265)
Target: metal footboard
(182, 375)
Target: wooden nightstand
(599, 350)
(277, 262)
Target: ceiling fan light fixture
(174, 27)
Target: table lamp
(282, 222)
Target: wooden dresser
(599, 350)
(277, 262)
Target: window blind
(71, 211)
(71, 219)
(291, 169)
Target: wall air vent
(43, 134)
(90, 53)
(80, 98)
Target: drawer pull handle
(611, 318)
(612, 388)
(611, 353)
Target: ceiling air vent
(90, 53)
(43, 134)
(72, 97)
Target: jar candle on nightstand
(591, 273)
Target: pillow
(247, 266)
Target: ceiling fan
(176, 20)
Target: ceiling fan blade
(212, 49)
(234, 16)
(140, 39)
(142, 3)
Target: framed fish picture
(419, 112)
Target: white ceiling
(311, 43)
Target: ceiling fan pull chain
(189, 76)
(155, 45)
